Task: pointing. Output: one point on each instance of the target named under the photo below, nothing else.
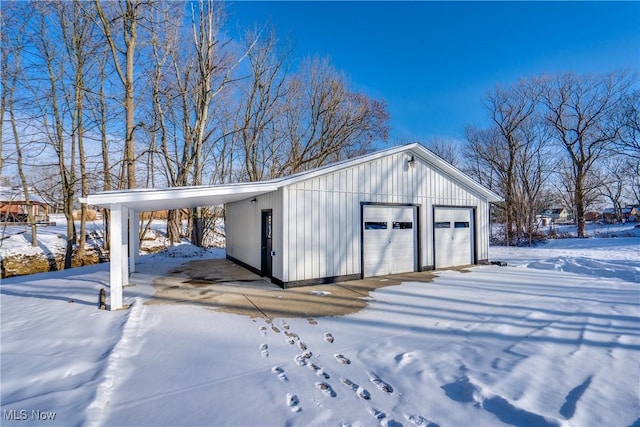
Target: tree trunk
(174, 224)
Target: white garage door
(389, 240)
(453, 231)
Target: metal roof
(150, 199)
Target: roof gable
(415, 149)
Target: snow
(551, 339)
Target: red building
(14, 208)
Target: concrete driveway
(223, 285)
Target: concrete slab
(223, 285)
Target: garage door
(389, 240)
(453, 232)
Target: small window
(443, 224)
(371, 225)
(402, 225)
(462, 224)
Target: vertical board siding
(316, 222)
(324, 213)
(243, 228)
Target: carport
(124, 224)
(398, 210)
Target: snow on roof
(16, 194)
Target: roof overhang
(149, 199)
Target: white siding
(243, 229)
(324, 233)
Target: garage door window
(462, 224)
(443, 224)
(402, 225)
(372, 225)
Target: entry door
(453, 235)
(389, 240)
(267, 260)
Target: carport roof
(151, 199)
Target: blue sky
(432, 62)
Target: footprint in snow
(293, 402)
(300, 361)
(280, 373)
(363, 393)
(328, 337)
(377, 414)
(302, 346)
(383, 386)
(346, 381)
(291, 335)
(285, 325)
(264, 350)
(340, 358)
(319, 371)
(275, 329)
(326, 389)
(263, 331)
(360, 391)
(291, 341)
(312, 321)
(418, 420)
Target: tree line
(100, 95)
(558, 141)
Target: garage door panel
(453, 232)
(389, 240)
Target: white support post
(134, 239)
(115, 268)
(125, 247)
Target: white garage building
(397, 210)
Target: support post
(134, 239)
(115, 268)
(125, 247)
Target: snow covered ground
(551, 339)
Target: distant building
(628, 213)
(555, 215)
(592, 216)
(13, 206)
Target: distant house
(13, 206)
(555, 214)
(629, 213)
(592, 216)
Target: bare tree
(565, 185)
(445, 148)
(617, 181)
(52, 108)
(533, 170)
(581, 114)
(188, 75)
(76, 31)
(124, 62)
(630, 131)
(509, 152)
(326, 121)
(11, 52)
(259, 137)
